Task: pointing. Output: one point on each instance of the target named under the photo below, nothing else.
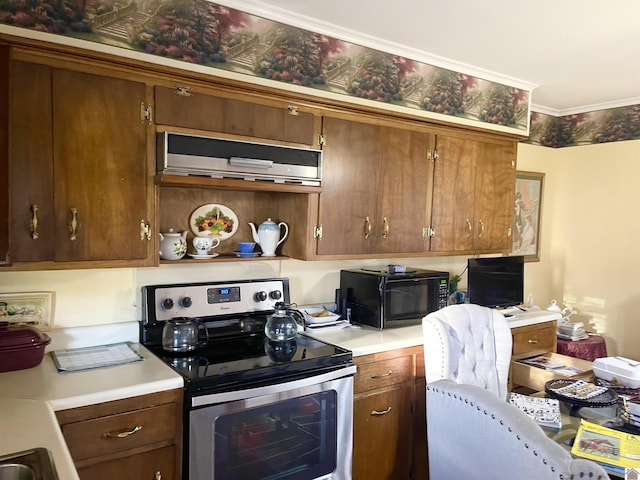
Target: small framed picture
(28, 308)
(527, 215)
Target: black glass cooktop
(248, 361)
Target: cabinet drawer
(121, 432)
(534, 338)
(145, 466)
(383, 373)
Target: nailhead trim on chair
(509, 429)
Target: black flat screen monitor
(496, 281)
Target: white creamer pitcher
(268, 236)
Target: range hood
(182, 154)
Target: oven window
(291, 439)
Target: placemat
(76, 359)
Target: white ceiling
(580, 55)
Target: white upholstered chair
(468, 344)
(472, 431)
(473, 434)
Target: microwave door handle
(250, 162)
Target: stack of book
(544, 411)
(572, 331)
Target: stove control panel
(164, 302)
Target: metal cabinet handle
(157, 476)
(533, 341)
(34, 222)
(481, 234)
(367, 227)
(469, 227)
(384, 412)
(145, 230)
(122, 434)
(73, 225)
(381, 375)
(385, 227)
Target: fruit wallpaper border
(601, 126)
(204, 33)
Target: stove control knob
(275, 295)
(167, 304)
(260, 296)
(186, 302)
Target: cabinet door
(153, 465)
(405, 182)
(32, 216)
(382, 434)
(226, 115)
(494, 196)
(453, 194)
(348, 203)
(99, 167)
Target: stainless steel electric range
(254, 408)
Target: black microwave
(383, 299)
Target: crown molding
(255, 7)
(625, 102)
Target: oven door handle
(224, 397)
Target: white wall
(95, 297)
(589, 235)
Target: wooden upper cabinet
(100, 161)
(32, 222)
(405, 184)
(350, 171)
(80, 182)
(375, 184)
(474, 184)
(188, 108)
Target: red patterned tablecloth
(587, 349)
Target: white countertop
(30, 397)
(27, 424)
(77, 389)
(365, 340)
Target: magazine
(556, 365)
(544, 411)
(607, 446)
(543, 361)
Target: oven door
(298, 430)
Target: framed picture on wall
(527, 213)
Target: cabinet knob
(122, 434)
(157, 476)
(367, 227)
(469, 227)
(34, 222)
(73, 225)
(385, 227)
(383, 412)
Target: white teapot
(173, 245)
(268, 236)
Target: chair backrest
(468, 344)
(474, 434)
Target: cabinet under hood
(183, 154)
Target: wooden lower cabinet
(389, 437)
(137, 438)
(145, 466)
